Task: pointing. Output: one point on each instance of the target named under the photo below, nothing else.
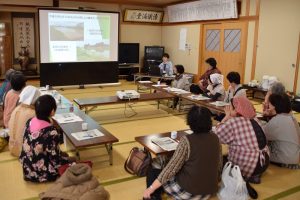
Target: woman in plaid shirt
(240, 129)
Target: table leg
(168, 108)
(158, 102)
(136, 77)
(179, 105)
(77, 154)
(109, 149)
(89, 110)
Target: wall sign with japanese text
(147, 16)
(24, 35)
(203, 10)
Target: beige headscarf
(216, 79)
(29, 95)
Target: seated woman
(21, 114)
(215, 89)
(283, 133)
(11, 98)
(5, 87)
(191, 173)
(41, 156)
(276, 88)
(181, 81)
(240, 129)
(235, 88)
(199, 88)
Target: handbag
(233, 185)
(295, 103)
(138, 162)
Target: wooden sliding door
(226, 42)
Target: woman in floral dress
(41, 156)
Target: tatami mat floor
(276, 183)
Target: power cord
(129, 105)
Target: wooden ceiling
(154, 3)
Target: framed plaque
(143, 16)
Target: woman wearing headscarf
(21, 114)
(242, 132)
(215, 89)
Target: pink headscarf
(244, 107)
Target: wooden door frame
(243, 49)
(201, 47)
(297, 67)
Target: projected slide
(78, 36)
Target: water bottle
(71, 109)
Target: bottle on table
(71, 109)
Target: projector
(128, 94)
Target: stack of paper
(259, 114)
(182, 92)
(67, 118)
(176, 90)
(220, 103)
(90, 134)
(165, 143)
(172, 76)
(189, 132)
(160, 85)
(199, 97)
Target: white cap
(29, 95)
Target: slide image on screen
(80, 37)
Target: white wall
(146, 35)
(249, 52)
(170, 39)
(279, 27)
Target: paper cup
(174, 135)
(84, 126)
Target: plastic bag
(233, 185)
